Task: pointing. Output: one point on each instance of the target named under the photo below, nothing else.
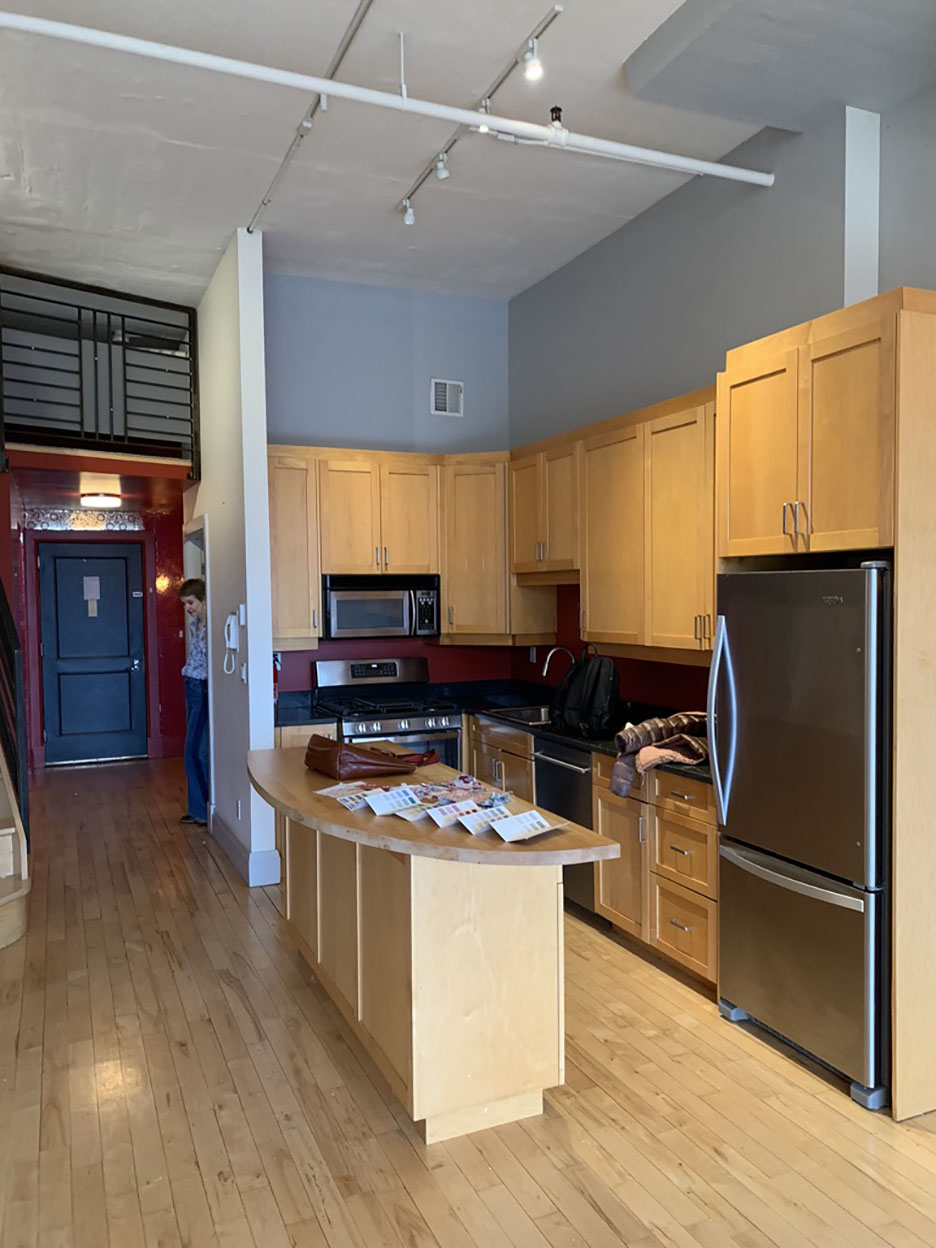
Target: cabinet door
(294, 555)
(846, 438)
(516, 775)
(349, 494)
(756, 457)
(526, 528)
(680, 507)
(623, 884)
(560, 476)
(474, 571)
(613, 571)
(484, 764)
(409, 517)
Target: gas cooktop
(347, 691)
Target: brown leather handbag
(357, 762)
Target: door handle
(682, 926)
(451, 615)
(377, 555)
(314, 620)
(640, 831)
(695, 627)
(135, 665)
(721, 655)
(796, 510)
(686, 853)
(386, 558)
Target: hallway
(170, 1074)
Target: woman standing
(195, 673)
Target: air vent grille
(446, 398)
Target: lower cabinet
(501, 756)
(663, 889)
(621, 892)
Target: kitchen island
(443, 951)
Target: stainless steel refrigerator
(799, 734)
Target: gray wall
(649, 312)
(350, 366)
(908, 193)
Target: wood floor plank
(171, 1074)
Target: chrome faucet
(555, 650)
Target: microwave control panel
(427, 621)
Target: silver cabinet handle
(314, 620)
(683, 797)
(783, 520)
(686, 853)
(695, 627)
(640, 831)
(682, 927)
(386, 558)
(451, 615)
(706, 627)
(804, 532)
(377, 555)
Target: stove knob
(375, 726)
(404, 724)
(430, 723)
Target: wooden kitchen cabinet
(847, 401)
(349, 493)
(544, 512)
(294, 551)
(757, 455)
(409, 517)
(679, 531)
(684, 851)
(806, 434)
(501, 755)
(612, 593)
(684, 926)
(622, 884)
(474, 549)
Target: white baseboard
(257, 867)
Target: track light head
(485, 111)
(532, 65)
(409, 216)
(442, 170)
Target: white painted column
(862, 204)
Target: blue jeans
(196, 746)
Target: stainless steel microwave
(380, 606)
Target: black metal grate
(88, 369)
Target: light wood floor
(171, 1074)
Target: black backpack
(587, 701)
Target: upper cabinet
(805, 444)
(378, 515)
(294, 551)
(474, 550)
(544, 511)
(647, 519)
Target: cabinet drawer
(291, 735)
(683, 795)
(495, 735)
(685, 851)
(684, 926)
(603, 765)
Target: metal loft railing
(87, 369)
(13, 707)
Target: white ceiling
(134, 173)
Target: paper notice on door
(92, 588)
(521, 827)
(445, 816)
(389, 801)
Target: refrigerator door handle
(721, 656)
(753, 867)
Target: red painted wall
(666, 684)
(6, 534)
(446, 663)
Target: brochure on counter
(475, 808)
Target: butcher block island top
(442, 951)
(282, 779)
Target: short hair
(194, 587)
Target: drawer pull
(682, 927)
(677, 849)
(683, 797)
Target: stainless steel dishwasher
(563, 775)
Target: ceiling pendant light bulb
(442, 169)
(409, 216)
(532, 65)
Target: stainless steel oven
(446, 744)
(381, 606)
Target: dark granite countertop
(495, 698)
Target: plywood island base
(449, 972)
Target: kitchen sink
(532, 716)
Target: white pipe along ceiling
(555, 135)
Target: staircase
(14, 782)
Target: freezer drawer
(800, 953)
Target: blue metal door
(93, 661)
